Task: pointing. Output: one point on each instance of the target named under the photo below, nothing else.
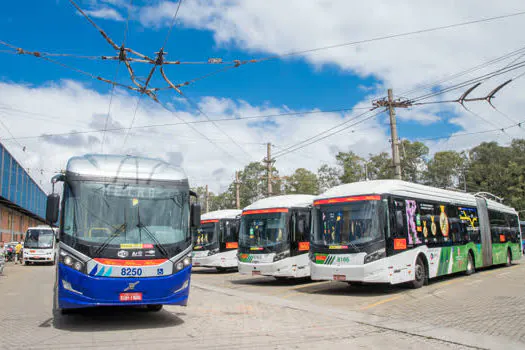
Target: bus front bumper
(296, 267)
(224, 259)
(78, 290)
(374, 272)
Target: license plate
(256, 273)
(130, 296)
(196, 264)
(339, 278)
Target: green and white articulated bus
(392, 231)
(274, 239)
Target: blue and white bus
(125, 233)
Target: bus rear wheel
(509, 259)
(154, 307)
(471, 268)
(419, 274)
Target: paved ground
(231, 311)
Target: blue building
(22, 200)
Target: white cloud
(69, 106)
(105, 13)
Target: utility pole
(237, 189)
(268, 162)
(207, 196)
(391, 104)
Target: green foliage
(302, 181)
(487, 167)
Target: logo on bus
(122, 254)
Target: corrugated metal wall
(18, 187)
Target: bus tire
(420, 274)
(154, 307)
(471, 267)
(509, 258)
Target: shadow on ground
(113, 319)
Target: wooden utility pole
(268, 162)
(391, 104)
(237, 189)
(207, 201)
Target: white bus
(215, 243)
(391, 231)
(40, 245)
(275, 237)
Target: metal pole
(393, 132)
(206, 203)
(269, 167)
(237, 188)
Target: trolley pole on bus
(391, 104)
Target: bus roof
(286, 201)
(122, 166)
(408, 189)
(221, 214)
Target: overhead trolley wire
(116, 77)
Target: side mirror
(52, 208)
(195, 215)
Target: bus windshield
(125, 215)
(206, 237)
(348, 224)
(263, 230)
(39, 238)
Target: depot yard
(229, 310)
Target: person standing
(18, 253)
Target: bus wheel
(154, 307)
(471, 268)
(419, 274)
(509, 258)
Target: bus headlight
(182, 263)
(378, 254)
(71, 261)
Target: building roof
(221, 214)
(121, 166)
(408, 189)
(286, 201)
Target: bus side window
(514, 233)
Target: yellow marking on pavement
(381, 302)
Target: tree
(327, 177)
(302, 181)
(380, 167)
(445, 169)
(352, 165)
(488, 170)
(412, 160)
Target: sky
(51, 110)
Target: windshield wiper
(152, 236)
(110, 238)
(141, 226)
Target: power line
(158, 62)
(519, 124)
(319, 134)
(196, 106)
(326, 136)
(116, 78)
(286, 114)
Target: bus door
(300, 232)
(484, 226)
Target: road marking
(381, 302)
